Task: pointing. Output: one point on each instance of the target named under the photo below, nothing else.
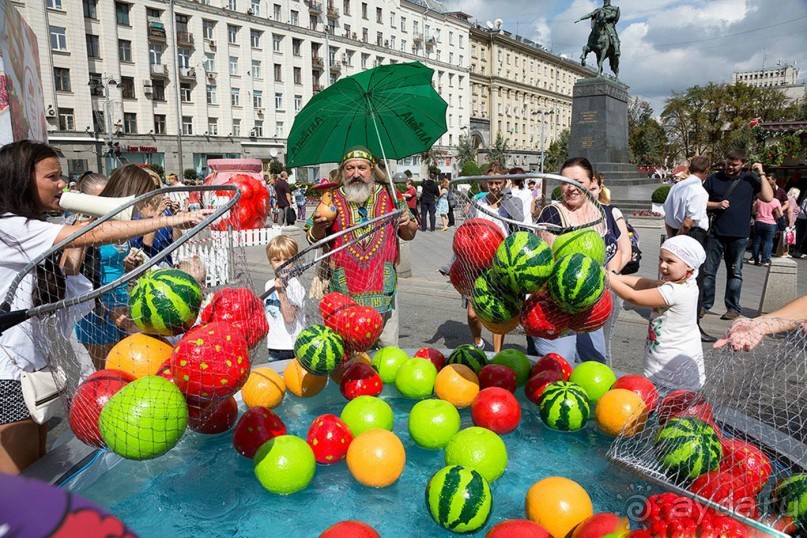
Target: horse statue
(603, 40)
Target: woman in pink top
(765, 215)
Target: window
(298, 75)
(258, 130)
(256, 69)
(122, 13)
(256, 7)
(236, 127)
(155, 53)
(153, 13)
(210, 62)
(184, 57)
(61, 79)
(257, 98)
(93, 46)
(127, 87)
(89, 8)
(182, 24)
(379, 16)
(403, 24)
(232, 34)
(392, 19)
(364, 10)
(294, 20)
(234, 65)
(296, 46)
(450, 38)
(159, 123)
(130, 122)
(278, 71)
(278, 101)
(298, 103)
(187, 125)
(233, 5)
(158, 90)
(213, 126)
(211, 95)
(346, 7)
(185, 92)
(277, 42)
(66, 120)
(96, 88)
(58, 38)
(55, 4)
(279, 129)
(364, 58)
(379, 38)
(255, 38)
(365, 35)
(276, 12)
(235, 96)
(124, 50)
(208, 27)
(312, 22)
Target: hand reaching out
(744, 334)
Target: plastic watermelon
(493, 301)
(564, 406)
(165, 301)
(319, 349)
(469, 355)
(790, 498)
(687, 447)
(475, 243)
(542, 318)
(459, 499)
(576, 283)
(523, 262)
(240, 307)
(586, 242)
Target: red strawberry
(333, 302)
(359, 326)
(329, 437)
(748, 463)
(256, 426)
(243, 309)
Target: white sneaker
(480, 346)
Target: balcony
(188, 73)
(417, 37)
(316, 62)
(333, 12)
(316, 88)
(184, 38)
(158, 70)
(336, 67)
(314, 8)
(157, 35)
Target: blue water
(204, 488)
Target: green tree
(498, 150)
(647, 140)
(465, 151)
(275, 166)
(157, 168)
(470, 168)
(557, 152)
(189, 173)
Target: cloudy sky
(667, 45)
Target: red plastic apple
(462, 277)
(254, 428)
(517, 528)
(496, 409)
(534, 388)
(685, 403)
(89, 399)
(475, 243)
(600, 525)
(594, 317)
(542, 318)
(350, 529)
(359, 326)
(251, 209)
(219, 419)
(498, 375)
(552, 361)
(748, 463)
(329, 437)
(360, 379)
(333, 302)
(242, 308)
(434, 355)
(641, 386)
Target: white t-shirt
(673, 356)
(281, 334)
(526, 199)
(687, 199)
(22, 347)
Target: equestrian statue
(603, 39)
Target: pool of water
(204, 488)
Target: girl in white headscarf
(673, 354)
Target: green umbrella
(392, 110)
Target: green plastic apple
(387, 360)
(515, 360)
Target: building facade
(177, 83)
(520, 90)
(782, 77)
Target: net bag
(736, 447)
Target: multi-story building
(176, 83)
(784, 78)
(520, 90)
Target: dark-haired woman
(31, 185)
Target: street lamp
(544, 114)
(105, 82)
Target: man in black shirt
(428, 199)
(731, 194)
(283, 193)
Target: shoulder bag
(42, 391)
(713, 213)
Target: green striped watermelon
(576, 283)
(790, 498)
(319, 349)
(165, 301)
(687, 447)
(564, 406)
(523, 262)
(469, 355)
(493, 301)
(459, 499)
(585, 241)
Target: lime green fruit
(433, 422)
(285, 464)
(479, 449)
(516, 361)
(415, 378)
(595, 377)
(365, 413)
(387, 360)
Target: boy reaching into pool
(285, 307)
(673, 357)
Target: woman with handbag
(31, 185)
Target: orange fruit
(139, 355)
(376, 458)
(558, 504)
(501, 328)
(301, 382)
(264, 388)
(457, 384)
(620, 411)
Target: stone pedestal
(780, 285)
(405, 260)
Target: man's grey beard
(358, 192)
